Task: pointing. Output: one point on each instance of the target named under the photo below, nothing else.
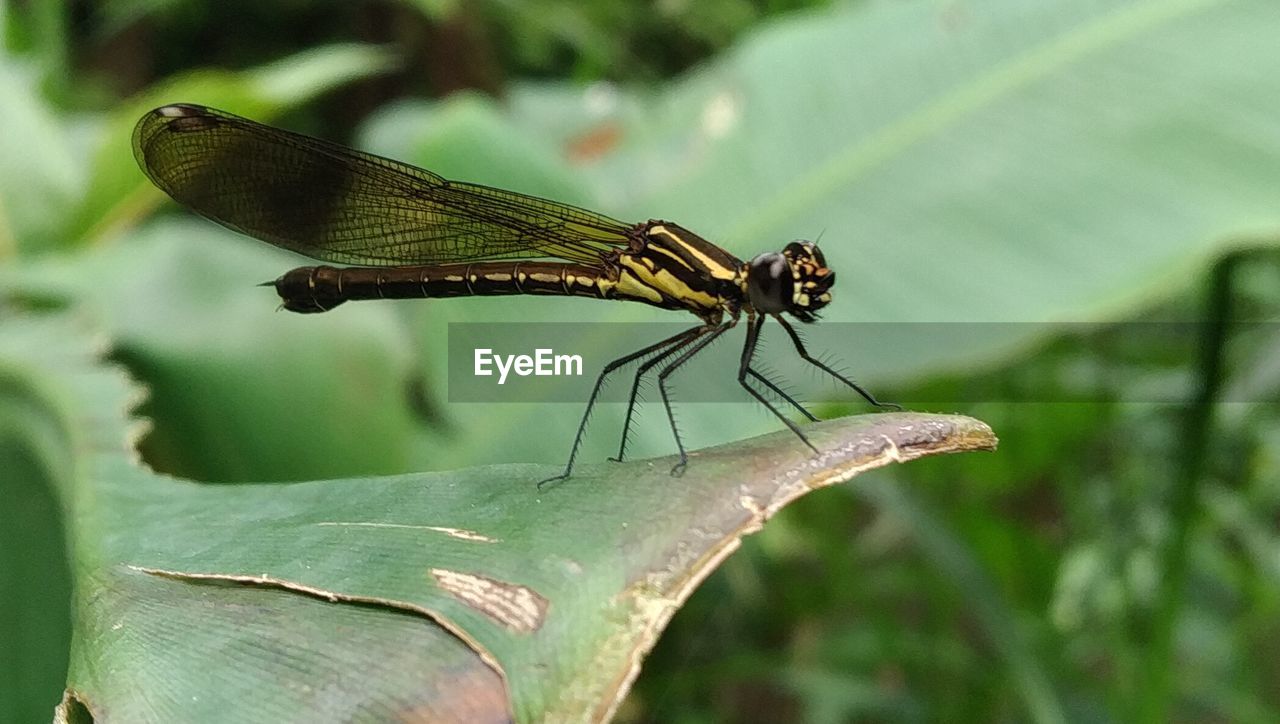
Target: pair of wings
(336, 204)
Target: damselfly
(411, 234)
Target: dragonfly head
(795, 280)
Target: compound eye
(770, 284)
(817, 255)
(804, 251)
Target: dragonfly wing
(336, 204)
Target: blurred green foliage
(1108, 162)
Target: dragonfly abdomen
(321, 288)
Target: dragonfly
(404, 232)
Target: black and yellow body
(404, 232)
(665, 266)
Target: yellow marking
(675, 257)
(630, 286)
(544, 278)
(716, 269)
(660, 282)
(452, 278)
(498, 277)
(719, 271)
(660, 229)
(680, 290)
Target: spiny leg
(782, 393)
(744, 368)
(595, 392)
(709, 337)
(804, 354)
(770, 384)
(635, 388)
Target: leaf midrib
(859, 158)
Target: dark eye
(817, 255)
(803, 251)
(770, 284)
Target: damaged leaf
(465, 595)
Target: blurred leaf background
(1103, 162)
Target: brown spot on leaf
(516, 607)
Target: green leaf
(39, 177)
(36, 33)
(35, 585)
(469, 136)
(240, 391)
(190, 595)
(155, 648)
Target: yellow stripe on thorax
(712, 267)
(638, 278)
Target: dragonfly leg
(707, 336)
(804, 354)
(640, 372)
(782, 393)
(748, 350)
(595, 392)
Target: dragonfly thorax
(795, 280)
